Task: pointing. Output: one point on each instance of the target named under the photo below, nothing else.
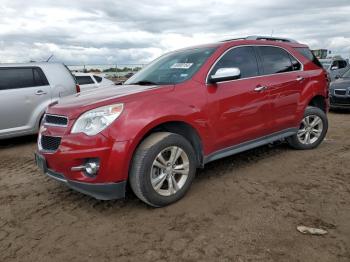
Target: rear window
(306, 52)
(84, 80)
(13, 78)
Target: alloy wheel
(310, 130)
(170, 170)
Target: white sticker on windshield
(181, 65)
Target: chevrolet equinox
(183, 110)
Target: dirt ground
(241, 208)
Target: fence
(108, 70)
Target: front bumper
(101, 191)
(340, 102)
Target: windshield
(346, 74)
(172, 68)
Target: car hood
(72, 106)
(341, 83)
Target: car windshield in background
(325, 65)
(172, 68)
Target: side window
(98, 79)
(295, 63)
(342, 64)
(306, 52)
(12, 78)
(335, 65)
(39, 77)
(275, 60)
(84, 80)
(242, 57)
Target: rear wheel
(163, 169)
(312, 130)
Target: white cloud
(117, 32)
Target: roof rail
(233, 39)
(270, 38)
(266, 38)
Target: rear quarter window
(306, 52)
(98, 79)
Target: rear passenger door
(22, 90)
(284, 80)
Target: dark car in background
(339, 91)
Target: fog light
(90, 168)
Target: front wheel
(312, 130)
(163, 169)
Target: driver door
(238, 108)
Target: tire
(153, 160)
(300, 140)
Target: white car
(88, 81)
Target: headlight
(94, 121)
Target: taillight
(77, 88)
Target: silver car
(335, 66)
(25, 92)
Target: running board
(250, 145)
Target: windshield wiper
(144, 83)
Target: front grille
(50, 143)
(56, 120)
(340, 92)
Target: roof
(41, 64)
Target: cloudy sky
(123, 32)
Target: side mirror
(337, 76)
(334, 68)
(225, 74)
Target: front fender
(38, 113)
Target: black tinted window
(11, 78)
(39, 77)
(84, 80)
(242, 57)
(342, 64)
(275, 60)
(306, 52)
(98, 79)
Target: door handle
(40, 92)
(260, 88)
(300, 78)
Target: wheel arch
(318, 101)
(179, 127)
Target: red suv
(183, 110)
